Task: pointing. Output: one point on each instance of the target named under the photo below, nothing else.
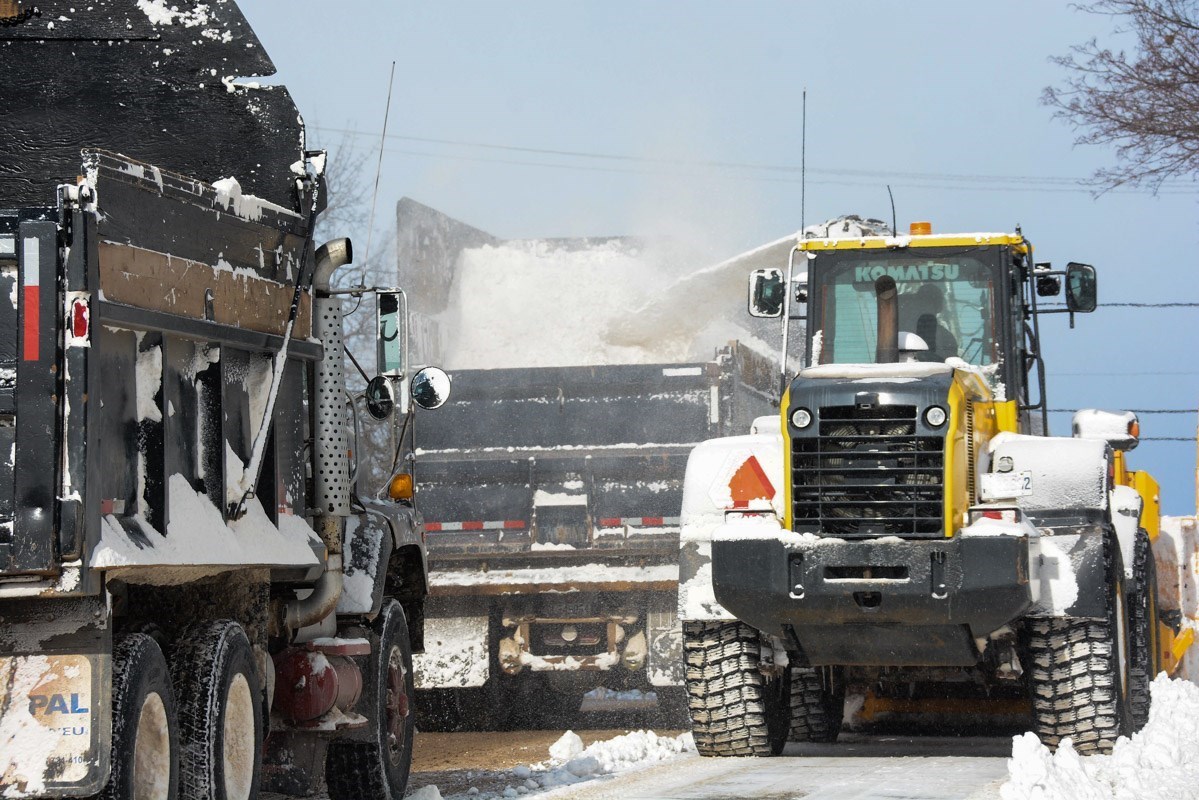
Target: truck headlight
(935, 416)
(801, 418)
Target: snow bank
(570, 762)
(1159, 763)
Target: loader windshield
(946, 300)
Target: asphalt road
(857, 767)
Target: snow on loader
(195, 598)
(908, 530)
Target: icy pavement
(641, 766)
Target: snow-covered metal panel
(1066, 474)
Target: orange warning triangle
(749, 482)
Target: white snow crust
(574, 576)
(456, 653)
(1161, 762)
(198, 537)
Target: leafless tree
(1145, 103)
(350, 182)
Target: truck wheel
(145, 729)
(378, 769)
(817, 705)
(1142, 629)
(220, 712)
(735, 709)
(1080, 671)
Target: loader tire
(735, 709)
(145, 727)
(220, 712)
(1079, 677)
(378, 769)
(817, 705)
(1142, 629)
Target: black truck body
(551, 501)
(187, 571)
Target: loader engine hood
(867, 449)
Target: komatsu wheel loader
(907, 530)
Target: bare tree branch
(1145, 104)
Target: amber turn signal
(400, 487)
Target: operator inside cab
(923, 313)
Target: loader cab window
(948, 301)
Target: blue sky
(938, 99)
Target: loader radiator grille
(867, 473)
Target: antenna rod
(370, 230)
(803, 155)
(894, 224)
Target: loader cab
(969, 298)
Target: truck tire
(220, 712)
(145, 728)
(1080, 671)
(378, 770)
(735, 709)
(1142, 629)
(817, 705)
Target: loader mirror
(380, 397)
(766, 293)
(430, 387)
(1081, 288)
(390, 333)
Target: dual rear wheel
(194, 730)
(191, 730)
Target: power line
(1022, 183)
(1134, 410)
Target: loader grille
(866, 472)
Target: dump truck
(197, 598)
(551, 501)
(908, 531)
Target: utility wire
(1013, 182)
(1135, 410)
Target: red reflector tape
(32, 343)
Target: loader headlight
(935, 416)
(801, 418)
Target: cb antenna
(894, 229)
(370, 230)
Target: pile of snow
(542, 303)
(571, 762)
(1161, 762)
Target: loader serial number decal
(1005, 485)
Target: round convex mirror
(430, 387)
(380, 397)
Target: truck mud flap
(55, 729)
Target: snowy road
(858, 767)
(869, 768)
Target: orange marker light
(1134, 429)
(921, 228)
(400, 487)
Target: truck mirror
(430, 387)
(390, 333)
(380, 397)
(1081, 288)
(766, 293)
